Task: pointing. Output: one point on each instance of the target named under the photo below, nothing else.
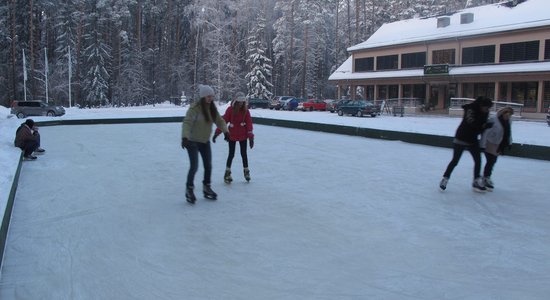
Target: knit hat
(240, 97)
(205, 90)
(30, 123)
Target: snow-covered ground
(101, 215)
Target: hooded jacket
(24, 134)
(239, 124)
(196, 127)
(473, 122)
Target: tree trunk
(13, 53)
(78, 80)
(31, 46)
(304, 69)
(291, 50)
(357, 15)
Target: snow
(491, 18)
(102, 215)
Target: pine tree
(258, 84)
(97, 58)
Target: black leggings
(457, 153)
(231, 154)
(491, 161)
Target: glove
(184, 143)
(226, 136)
(214, 137)
(251, 140)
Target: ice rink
(102, 215)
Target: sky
(325, 217)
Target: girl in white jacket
(494, 140)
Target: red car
(312, 105)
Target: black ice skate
(488, 184)
(478, 185)
(208, 192)
(190, 196)
(227, 177)
(443, 183)
(247, 174)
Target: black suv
(22, 109)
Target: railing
(390, 105)
(457, 103)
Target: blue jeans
(193, 150)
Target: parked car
(277, 102)
(334, 107)
(258, 103)
(292, 104)
(548, 116)
(358, 108)
(330, 104)
(314, 104)
(22, 109)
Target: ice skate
(443, 183)
(190, 196)
(227, 177)
(247, 174)
(208, 192)
(488, 183)
(29, 157)
(478, 186)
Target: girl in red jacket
(239, 123)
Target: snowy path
(102, 216)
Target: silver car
(22, 109)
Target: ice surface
(102, 215)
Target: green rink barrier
(518, 150)
(8, 210)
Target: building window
(414, 91)
(364, 64)
(546, 100)
(525, 93)
(546, 97)
(524, 51)
(413, 60)
(547, 49)
(478, 55)
(446, 56)
(486, 89)
(388, 62)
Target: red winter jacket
(239, 125)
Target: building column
(353, 92)
(497, 89)
(540, 96)
(338, 91)
(375, 92)
(400, 93)
(459, 90)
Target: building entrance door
(438, 96)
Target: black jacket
(473, 123)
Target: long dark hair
(209, 111)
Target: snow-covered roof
(344, 72)
(491, 18)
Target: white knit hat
(240, 97)
(205, 90)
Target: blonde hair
(505, 110)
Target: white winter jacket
(492, 137)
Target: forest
(92, 53)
